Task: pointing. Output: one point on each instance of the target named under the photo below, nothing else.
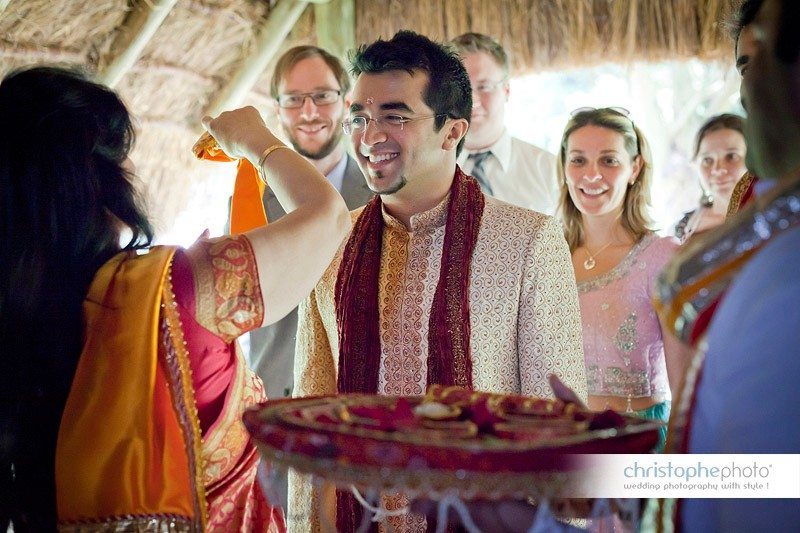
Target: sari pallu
(743, 193)
(130, 454)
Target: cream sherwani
(524, 316)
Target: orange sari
(131, 453)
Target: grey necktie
(478, 172)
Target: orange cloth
(247, 208)
(128, 445)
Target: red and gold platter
(478, 444)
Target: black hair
(65, 196)
(787, 46)
(448, 93)
(744, 16)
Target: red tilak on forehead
(370, 100)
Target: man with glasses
(507, 168)
(308, 85)
(437, 282)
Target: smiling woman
(605, 170)
(621, 145)
(599, 170)
(719, 157)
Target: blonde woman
(605, 175)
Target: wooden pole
(336, 26)
(139, 28)
(279, 23)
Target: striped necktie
(478, 172)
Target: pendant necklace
(590, 262)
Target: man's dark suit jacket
(272, 347)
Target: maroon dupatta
(449, 360)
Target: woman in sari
(605, 174)
(719, 151)
(124, 389)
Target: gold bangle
(268, 151)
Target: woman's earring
(707, 200)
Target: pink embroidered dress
(622, 342)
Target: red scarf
(449, 359)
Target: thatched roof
(186, 67)
(554, 34)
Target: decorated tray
(478, 444)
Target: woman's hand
(564, 393)
(293, 252)
(241, 133)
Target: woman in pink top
(605, 171)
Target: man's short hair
(787, 46)
(742, 17)
(471, 43)
(294, 55)
(788, 40)
(448, 93)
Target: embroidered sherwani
(524, 315)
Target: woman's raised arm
(293, 252)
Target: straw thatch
(554, 34)
(193, 53)
(201, 44)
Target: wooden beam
(276, 28)
(336, 26)
(138, 29)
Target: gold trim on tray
(278, 411)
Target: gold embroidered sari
(130, 453)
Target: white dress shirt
(336, 175)
(519, 173)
